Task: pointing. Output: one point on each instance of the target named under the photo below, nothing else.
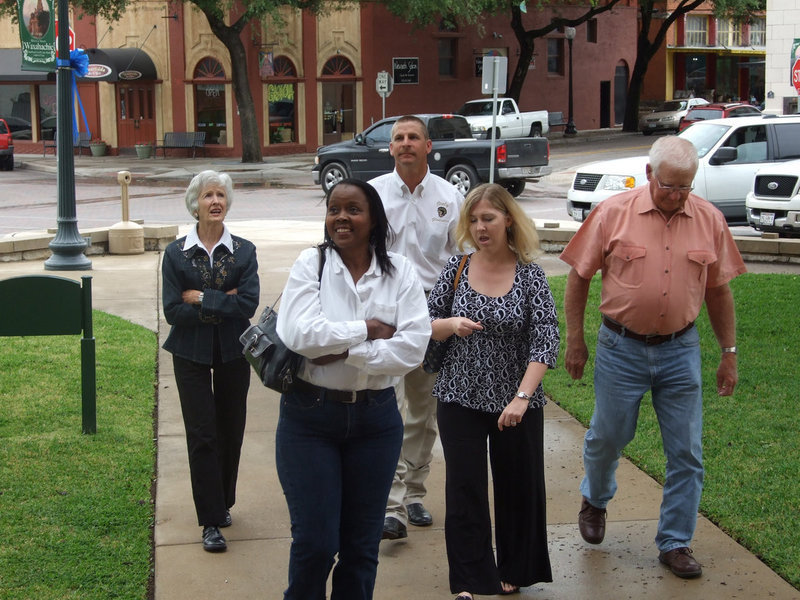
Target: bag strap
(319, 274)
(458, 273)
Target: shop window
(282, 97)
(209, 98)
(696, 30)
(47, 111)
(591, 31)
(15, 108)
(555, 56)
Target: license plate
(767, 218)
(577, 214)
(652, 125)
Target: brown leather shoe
(592, 522)
(681, 562)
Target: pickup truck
(773, 203)
(509, 123)
(456, 156)
(6, 147)
(730, 151)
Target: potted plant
(98, 147)
(144, 149)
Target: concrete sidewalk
(255, 565)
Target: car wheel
(515, 187)
(647, 132)
(464, 177)
(331, 175)
(536, 130)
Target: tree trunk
(230, 36)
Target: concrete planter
(144, 150)
(98, 148)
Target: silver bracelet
(523, 395)
(200, 298)
(731, 350)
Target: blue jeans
(336, 463)
(624, 370)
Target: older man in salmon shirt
(662, 251)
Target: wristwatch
(731, 350)
(200, 298)
(523, 395)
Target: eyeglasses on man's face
(681, 189)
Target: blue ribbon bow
(79, 63)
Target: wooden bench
(556, 119)
(182, 139)
(48, 305)
(83, 142)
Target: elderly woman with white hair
(210, 292)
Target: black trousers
(517, 462)
(214, 405)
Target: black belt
(344, 396)
(650, 340)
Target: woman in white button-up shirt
(361, 322)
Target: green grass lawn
(77, 514)
(76, 510)
(751, 443)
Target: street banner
(37, 35)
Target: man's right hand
(575, 358)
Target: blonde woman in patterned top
(503, 331)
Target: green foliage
(77, 512)
(750, 442)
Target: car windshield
(704, 136)
(704, 114)
(673, 105)
(474, 109)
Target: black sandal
(464, 596)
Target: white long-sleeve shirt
(329, 316)
(423, 221)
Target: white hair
(203, 180)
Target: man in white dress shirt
(422, 209)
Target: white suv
(773, 204)
(730, 151)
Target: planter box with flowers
(98, 147)
(144, 149)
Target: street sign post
(495, 73)
(384, 84)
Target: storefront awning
(119, 64)
(10, 62)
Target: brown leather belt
(650, 340)
(344, 396)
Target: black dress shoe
(213, 540)
(393, 529)
(228, 521)
(418, 515)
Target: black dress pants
(214, 406)
(520, 518)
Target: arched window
(209, 99)
(282, 98)
(338, 65)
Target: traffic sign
(796, 75)
(384, 84)
(71, 39)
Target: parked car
(49, 127)
(718, 111)
(6, 147)
(509, 120)
(668, 116)
(774, 202)
(456, 156)
(730, 153)
(20, 128)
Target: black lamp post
(68, 245)
(569, 33)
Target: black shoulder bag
(437, 350)
(272, 361)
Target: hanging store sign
(405, 70)
(37, 35)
